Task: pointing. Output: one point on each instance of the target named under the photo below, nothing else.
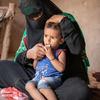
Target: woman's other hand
(37, 52)
(55, 18)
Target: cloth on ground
(11, 93)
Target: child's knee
(43, 84)
(29, 85)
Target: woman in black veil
(18, 72)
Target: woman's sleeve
(20, 55)
(72, 36)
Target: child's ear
(62, 41)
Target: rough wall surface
(86, 12)
(17, 27)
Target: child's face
(52, 37)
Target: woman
(20, 71)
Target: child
(49, 69)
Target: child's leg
(48, 93)
(33, 91)
(45, 85)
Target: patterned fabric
(23, 46)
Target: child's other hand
(49, 52)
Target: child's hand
(49, 52)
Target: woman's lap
(12, 74)
(73, 89)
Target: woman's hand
(55, 18)
(37, 52)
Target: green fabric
(29, 7)
(69, 16)
(22, 46)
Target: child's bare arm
(59, 63)
(35, 63)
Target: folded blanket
(11, 93)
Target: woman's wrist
(29, 54)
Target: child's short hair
(53, 25)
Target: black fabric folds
(72, 36)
